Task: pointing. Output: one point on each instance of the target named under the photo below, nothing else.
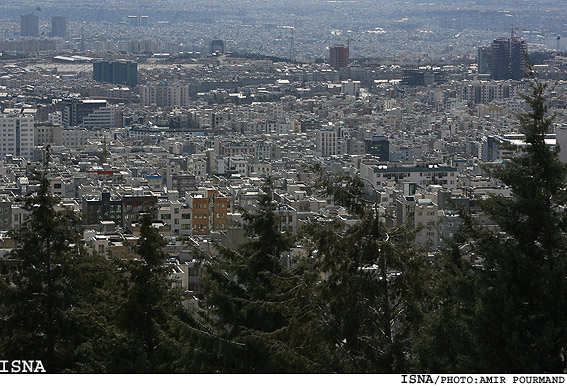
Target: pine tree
(444, 341)
(513, 318)
(49, 293)
(522, 322)
(370, 297)
(152, 318)
(243, 291)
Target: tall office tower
(17, 133)
(484, 60)
(59, 26)
(133, 21)
(338, 56)
(117, 72)
(507, 60)
(518, 52)
(217, 46)
(29, 25)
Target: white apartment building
(16, 135)
(423, 174)
(102, 117)
(68, 137)
(55, 118)
(164, 94)
(350, 87)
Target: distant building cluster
(29, 25)
(193, 138)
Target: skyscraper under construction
(508, 58)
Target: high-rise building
(216, 46)
(17, 133)
(338, 56)
(138, 21)
(326, 142)
(29, 25)
(484, 60)
(163, 94)
(88, 114)
(116, 72)
(59, 26)
(507, 58)
(518, 52)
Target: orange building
(208, 212)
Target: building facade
(338, 56)
(59, 26)
(29, 25)
(208, 212)
(17, 135)
(117, 72)
(88, 113)
(508, 58)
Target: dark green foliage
(51, 289)
(522, 322)
(508, 315)
(153, 318)
(243, 291)
(445, 342)
(369, 300)
(344, 189)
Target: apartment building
(208, 211)
(16, 135)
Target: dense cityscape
(255, 187)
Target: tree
(523, 316)
(369, 299)
(514, 317)
(444, 342)
(243, 290)
(50, 298)
(152, 318)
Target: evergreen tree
(522, 321)
(511, 314)
(50, 291)
(152, 318)
(371, 293)
(243, 292)
(444, 341)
